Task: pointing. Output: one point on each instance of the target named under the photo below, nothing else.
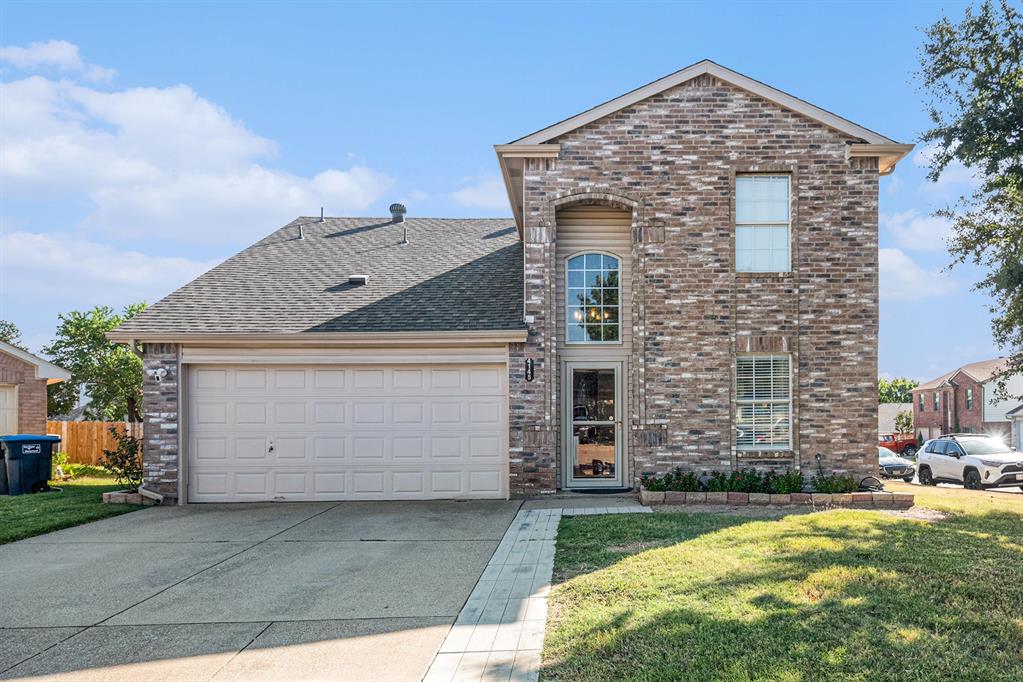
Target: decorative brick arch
(598, 197)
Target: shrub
(60, 466)
(125, 463)
(786, 483)
(835, 483)
(675, 480)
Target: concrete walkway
(345, 591)
(499, 633)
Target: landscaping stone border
(126, 497)
(858, 500)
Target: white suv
(974, 460)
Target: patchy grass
(80, 501)
(841, 594)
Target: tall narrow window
(937, 401)
(763, 402)
(923, 402)
(762, 223)
(969, 399)
(592, 298)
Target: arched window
(592, 299)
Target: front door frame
(568, 465)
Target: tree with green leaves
(9, 333)
(108, 374)
(904, 422)
(972, 73)
(898, 390)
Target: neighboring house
(1015, 417)
(23, 381)
(886, 414)
(690, 279)
(964, 401)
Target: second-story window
(969, 399)
(923, 402)
(937, 401)
(592, 301)
(762, 223)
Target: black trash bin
(28, 463)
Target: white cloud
(58, 54)
(903, 280)
(953, 182)
(78, 272)
(161, 162)
(487, 193)
(918, 232)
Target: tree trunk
(133, 411)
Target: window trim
(789, 175)
(621, 300)
(969, 399)
(735, 396)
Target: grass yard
(841, 594)
(79, 501)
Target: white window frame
(567, 305)
(739, 402)
(753, 224)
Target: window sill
(765, 454)
(765, 275)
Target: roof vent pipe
(301, 231)
(397, 213)
(321, 214)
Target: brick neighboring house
(690, 278)
(23, 381)
(964, 401)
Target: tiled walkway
(499, 633)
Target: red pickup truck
(899, 443)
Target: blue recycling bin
(27, 463)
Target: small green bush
(835, 483)
(786, 483)
(125, 463)
(738, 481)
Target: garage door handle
(271, 448)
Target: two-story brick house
(965, 400)
(690, 278)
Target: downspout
(155, 496)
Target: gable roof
(981, 372)
(538, 144)
(44, 368)
(688, 73)
(453, 275)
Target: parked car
(976, 461)
(893, 466)
(899, 443)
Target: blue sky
(143, 143)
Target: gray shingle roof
(454, 274)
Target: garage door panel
(335, 433)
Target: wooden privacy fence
(84, 442)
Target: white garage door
(340, 433)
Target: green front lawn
(842, 594)
(79, 501)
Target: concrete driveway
(348, 591)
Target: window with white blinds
(762, 223)
(763, 392)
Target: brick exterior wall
(160, 459)
(960, 418)
(31, 393)
(672, 161)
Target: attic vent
(397, 213)
(358, 280)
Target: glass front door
(594, 443)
